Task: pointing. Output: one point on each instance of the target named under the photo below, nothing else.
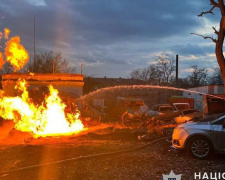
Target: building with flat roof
(67, 84)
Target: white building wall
(218, 89)
(198, 98)
(203, 89)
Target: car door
(218, 134)
(221, 143)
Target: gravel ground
(147, 163)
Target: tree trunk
(220, 35)
(219, 47)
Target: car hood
(191, 123)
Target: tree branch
(215, 31)
(214, 3)
(207, 12)
(206, 37)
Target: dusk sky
(113, 37)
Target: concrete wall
(67, 84)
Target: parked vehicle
(187, 115)
(202, 137)
(130, 104)
(181, 106)
(131, 108)
(160, 109)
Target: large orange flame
(42, 120)
(2, 62)
(15, 53)
(0, 36)
(46, 119)
(6, 31)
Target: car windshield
(189, 111)
(208, 117)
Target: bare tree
(140, 73)
(216, 77)
(160, 72)
(165, 65)
(198, 76)
(219, 33)
(48, 62)
(149, 74)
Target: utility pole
(81, 69)
(177, 70)
(34, 42)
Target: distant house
(209, 99)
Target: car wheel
(200, 147)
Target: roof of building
(43, 76)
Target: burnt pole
(177, 70)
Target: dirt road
(148, 163)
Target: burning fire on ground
(46, 119)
